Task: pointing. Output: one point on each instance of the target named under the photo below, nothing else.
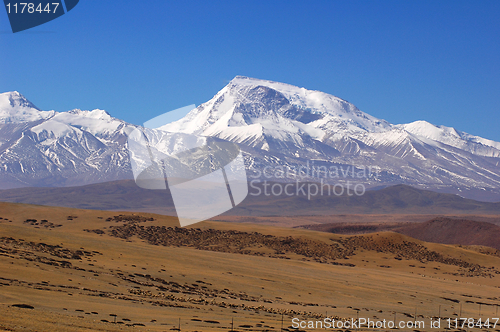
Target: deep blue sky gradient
(397, 60)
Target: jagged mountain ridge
(48, 148)
(289, 125)
(275, 124)
(263, 110)
(14, 108)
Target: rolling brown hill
(116, 195)
(454, 231)
(399, 199)
(442, 229)
(127, 196)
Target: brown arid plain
(66, 269)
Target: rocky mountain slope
(284, 126)
(40, 148)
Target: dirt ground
(82, 270)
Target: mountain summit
(257, 112)
(14, 107)
(276, 125)
(283, 125)
(272, 116)
(47, 148)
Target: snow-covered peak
(453, 137)
(15, 108)
(278, 86)
(94, 114)
(253, 110)
(17, 100)
(316, 102)
(97, 122)
(426, 129)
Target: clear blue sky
(397, 60)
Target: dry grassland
(84, 270)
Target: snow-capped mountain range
(47, 148)
(275, 124)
